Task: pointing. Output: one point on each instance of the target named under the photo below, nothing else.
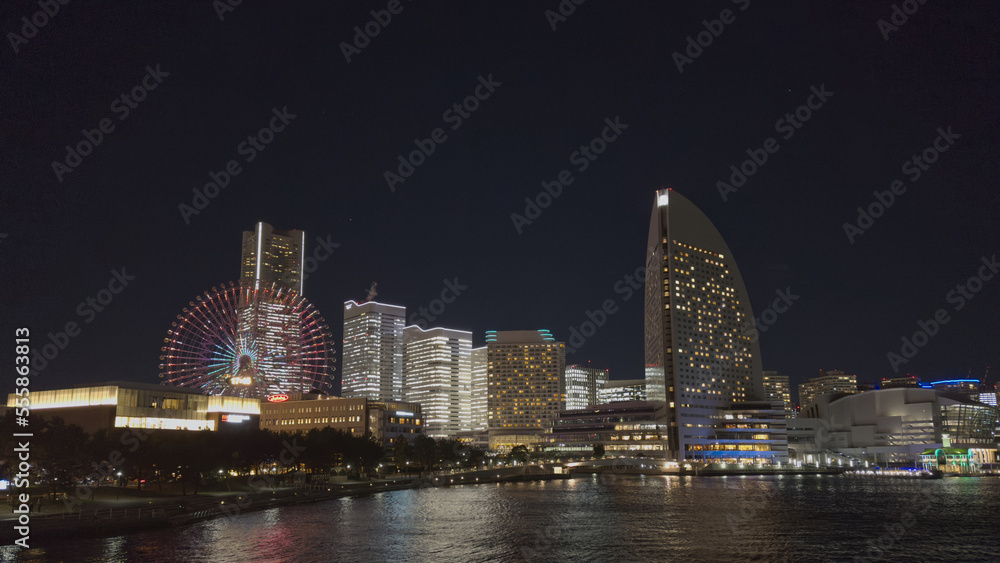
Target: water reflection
(628, 518)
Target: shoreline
(108, 520)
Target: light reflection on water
(593, 518)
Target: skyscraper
(437, 374)
(525, 371)
(582, 384)
(373, 351)
(270, 255)
(777, 388)
(699, 358)
(480, 388)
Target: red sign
(277, 398)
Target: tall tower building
(525, 371)
(582, 384)
(777, 388)
(699, 358)
(270, 255)
(480, 390)
(373, 351)
(437, 374)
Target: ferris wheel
(248, 340)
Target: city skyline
(119, 244)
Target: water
(608, 518)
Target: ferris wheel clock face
(248, 340)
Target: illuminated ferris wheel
(248, 340)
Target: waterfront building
(273, 256)
(480, 390)
(777, 388)
(437, 374)
(383, 421)
(525, 371)
(124, 404)
(616, 391)
(749, 432)
(892, 426)
(834, 381)
(701, 348)
(582, 384)
(626, 427)
(373, 351)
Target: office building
(373, 351)
(383, 421)
(830, 382)
(899, 382)
(480, 390)
(582, 383)
(525, 371)
(700, 357)
(273, 256)
(437, 374)
(124, 404)
(777, 388)
(622, 390)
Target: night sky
(544, 92)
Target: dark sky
(219, 81)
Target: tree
(518, 453)
(598, 451)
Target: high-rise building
(437, 374)
(834, 381)
(622, 390)
(777, 388)
(272, 258)
(271, 255)
(700, 357)
(582, 384)
(373, 351)
(525, 371)
(480, 390)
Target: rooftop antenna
(371, 292)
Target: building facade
(383, 421)
(892, 426)
(834, 381)
(777, 388)
(751, 432)
(525, 371)
(616, 391)
(124, 404)
(273, 256)
(700, 343)
(437, 374)
(480, 390)
(582, 383)
(898, 382)
(373, 351)
(625, 427)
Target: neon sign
(280, 398)
(235, 418)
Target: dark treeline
(63, 456)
